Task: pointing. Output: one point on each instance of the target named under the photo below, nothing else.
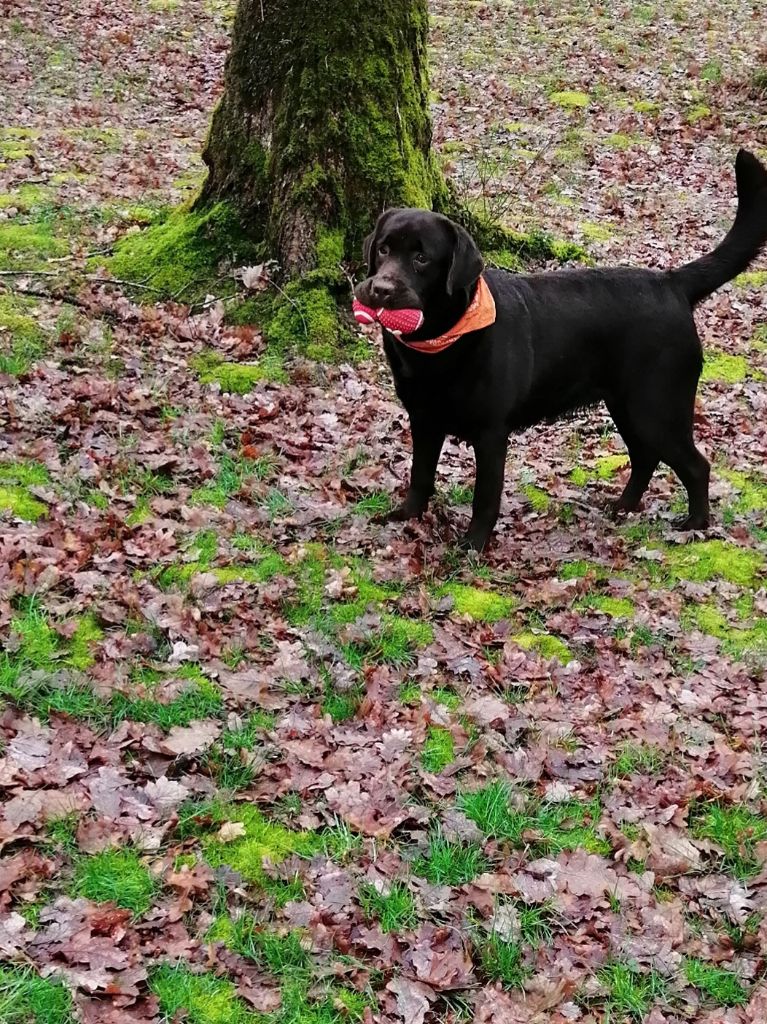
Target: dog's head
(419, 260)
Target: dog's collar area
(480, 313)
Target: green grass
(721, 986)
(502, 961)
(277, 953)
(377, 504)
(447, 863)
(637, 759)
(117, 876)
(394, 909)
(26, 998)
(341, 705)
(62, 832)
(236, 378)
(735, 829)
(203, 998)
(394, 643)
(631, 993)
(438, 750)
(549, 827)
(234, 472)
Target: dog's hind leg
(693, 470)
(660, 430)
(644, 462)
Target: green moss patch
(570, 99)
(751, 279)
(395, 642)
(28, 245)
(20, 503)
(697, 112)
(116, 876)
(186, 254)
(752, 490)
(580, 568)
(615, 607)
(737, 640)
(22, 340)
(538, 498)
(24, 198)
(37, 646)
(721, 366)
(515, 250)
(236, 378)
(544, 644)
(307, 319)
(262, 838)
(604, 468)
(480, 605)
(714, 559)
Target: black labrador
(561, 341)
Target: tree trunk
(323, 122)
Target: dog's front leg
(427, 445)
(490, 455)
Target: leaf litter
(221, 674)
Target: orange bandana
(481, 313)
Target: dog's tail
(743, 241)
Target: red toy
(398, 321)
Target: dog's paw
(472, 543)
(692, 523)
(400, 514)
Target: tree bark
(323, 122)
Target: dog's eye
(383, 250)
(420, 258)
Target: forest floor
(267, 761)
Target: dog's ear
(369, 252)
(370, 245)
(466, 264)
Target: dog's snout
(382, 289)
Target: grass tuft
(447, 863)
(116, 876)
(394, 908)
(722, 987)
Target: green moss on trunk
(324, 120)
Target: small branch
(30, 273)
(56, 296)
(127, 284)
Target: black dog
(560, 341)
